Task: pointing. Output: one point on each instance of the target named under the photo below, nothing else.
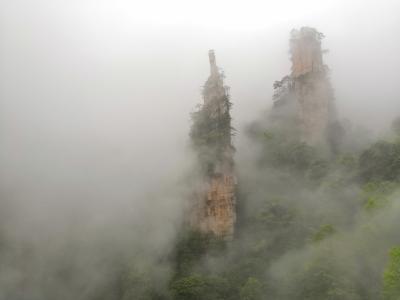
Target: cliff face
(308, 86)
(305, 48)
(214, 211)
(213, 207)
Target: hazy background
(95, 100)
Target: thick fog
(96, 96)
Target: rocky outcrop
(213, 209)
(308, 86)
(305, 48)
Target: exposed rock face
(213, 210)
(308, 86)
(305, 47)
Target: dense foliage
(311, 226)
(211, 131)
(391, 288)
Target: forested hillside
(199, 150)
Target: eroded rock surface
(214, 202)
(307, 89)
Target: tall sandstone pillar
(312, 87)
(213, 209)
(307, 90)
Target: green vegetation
(251, 290)
(211, 130)
(313, 223)
(197, 287)
(312, 227)
(391, 277)
(381, 162)
(324, 232)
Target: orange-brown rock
(213, 207)
(306, 93)
(305, 47)
(312, 93)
